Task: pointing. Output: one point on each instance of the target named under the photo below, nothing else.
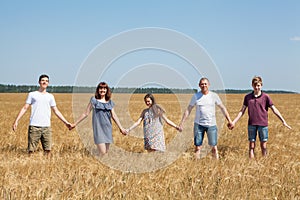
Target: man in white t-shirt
(205, 118)
(40, 119)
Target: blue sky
(243, 38)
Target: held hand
(180, 128)
(123, 131)
(71, 126)
(230, 125)
(68, 125)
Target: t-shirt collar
(257, 96)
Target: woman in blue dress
(103, 111)
(153, 117)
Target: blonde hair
(256, 80)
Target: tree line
(84, 89)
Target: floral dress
(154, 138)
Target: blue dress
(102, 127)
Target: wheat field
(75, 172)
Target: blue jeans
(261, 130)
(211, 131)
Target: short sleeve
(143, 113)
(93, 100)
(269, 101)
(217, 99)
(193, 100)
(245, 103)
(52, 101)
(29, 98)
(112, 103)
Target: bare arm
(60, 116)
(278, 114)
(21, 113)
(170, 123)
(117, 121)
(239, 115)
(135, 124)
(225, 112)
(83, 115)
(185, 116)
(140, 119)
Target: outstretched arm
(82, 116)
(225, 112)
(140, 119)
(135, 124)
(239, 115)
(21, 113)
(278, 114)
(61, 117)
(185, 116)
(117, 121)
(170, 123)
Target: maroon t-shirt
(258, 108)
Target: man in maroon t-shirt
(258, 103)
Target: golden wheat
(73, 173)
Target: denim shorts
(262, 133)
(211, 131)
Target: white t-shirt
(205, 108)
(41, 104)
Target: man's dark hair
(43, 76)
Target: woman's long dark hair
(156, 109)
(108, 93)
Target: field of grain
(75, 172)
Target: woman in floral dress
(153, 118)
